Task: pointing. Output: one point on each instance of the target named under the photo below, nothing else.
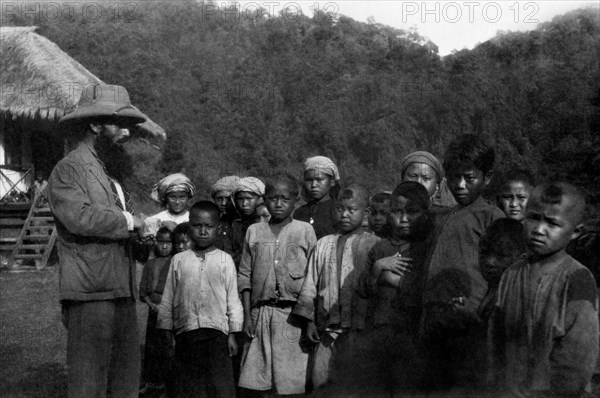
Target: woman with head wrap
(247, 195)
(427, 170)
(321, 183)
(173, 192)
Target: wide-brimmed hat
(105, 101)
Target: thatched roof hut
(40, 83)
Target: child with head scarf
(321, 182)
(424, 168)
(173, 192)
(221, 193)
(247, 195)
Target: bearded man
(96, 272)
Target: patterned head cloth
(172, 183)
(322, 164)
(423, 157)
(250, 184)
(443, 197)
(226, 184)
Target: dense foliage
(253, 95)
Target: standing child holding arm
(270, 277)
(202, 307)
(395, 281)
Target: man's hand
(167, 334)
(312, 333)
(395, 264)
(232, 345)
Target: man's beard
(117, 161)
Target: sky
(451, 25)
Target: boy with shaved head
(547, 316)
(328, 299)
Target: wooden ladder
(34, 244)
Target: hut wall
(15, 157)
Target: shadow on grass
(45, 380)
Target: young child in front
(452, 331)
(270, 277)
(156, 349)
(547, 319)
(321, 183)
(514, 193)
(378, 214)
(201, 306)
(395, 281)
(247, 196)
(329, 299)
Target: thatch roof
(40, 82)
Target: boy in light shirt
(201, 305)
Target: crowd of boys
(399, 293)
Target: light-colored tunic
(273, 267)
(338, 303)
(201, 294)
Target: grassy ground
(33, 340)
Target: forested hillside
(241, 95)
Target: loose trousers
(103, 349)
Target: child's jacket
(548, 328)
(274, 267)
(201, 294)
(453, 261)
(337, 303)
(154, 278)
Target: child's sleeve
(235, 311)
(574, 355)
(367, 287)
(311, 239)
(165, 308)
(245, 270)
(305, 306)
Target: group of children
(427, 289)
